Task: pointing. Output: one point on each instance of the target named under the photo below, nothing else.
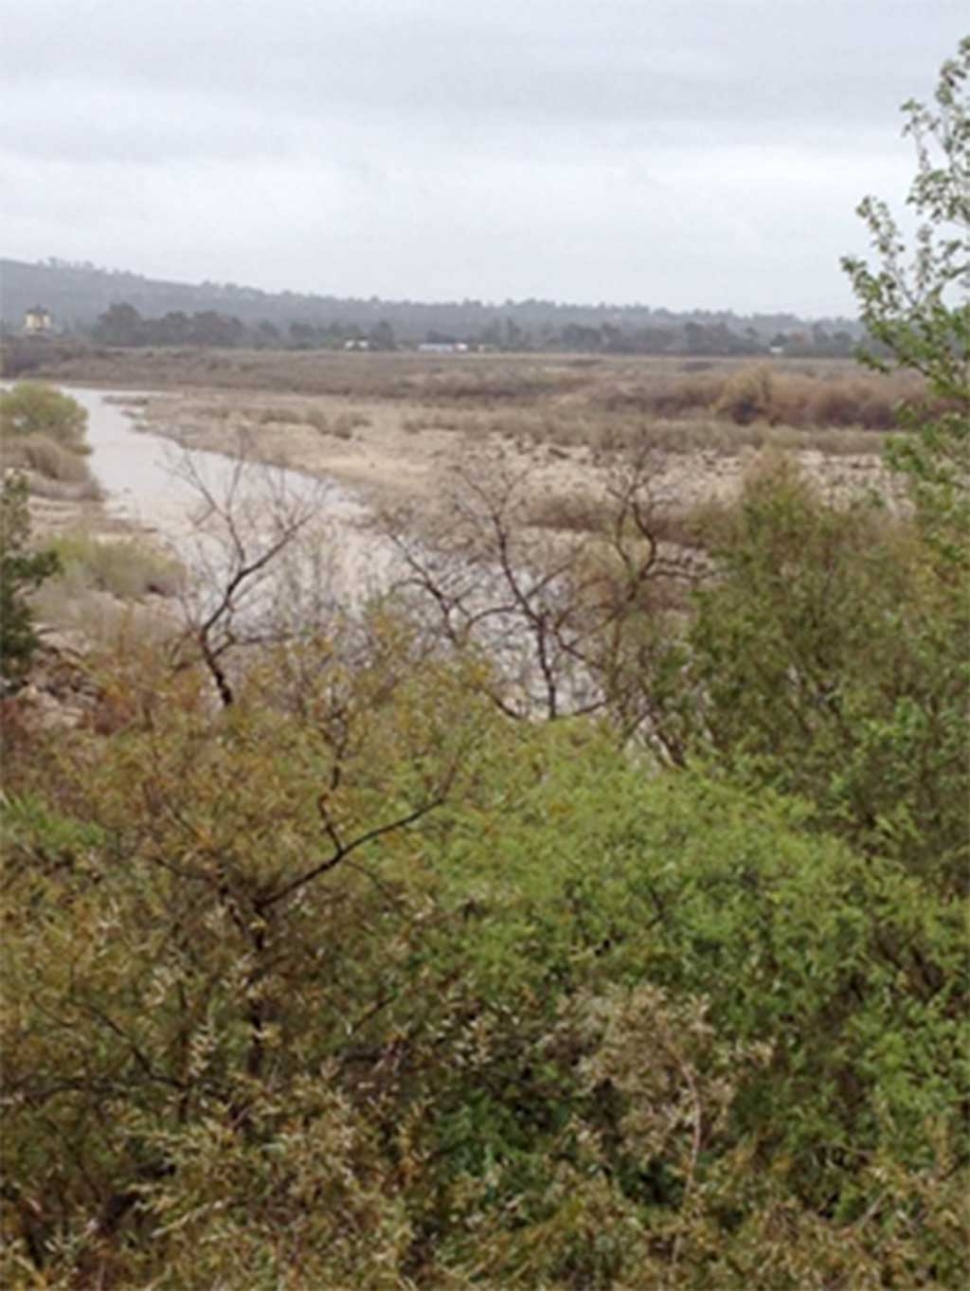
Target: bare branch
(248, 516)
(343, 850)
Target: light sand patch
(402, 451)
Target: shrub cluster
(43, 434)
(760, 394)
(361, 982)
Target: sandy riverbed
(394, 452)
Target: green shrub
(829, 661)
(21, 571)
(34, 409)
(586, 1017)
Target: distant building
(443, 347)
(357, 344)
(38, 321)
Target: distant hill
(78, 294)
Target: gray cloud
(680, 152)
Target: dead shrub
(318, 419)
(747, 396)
(41, 486)
(664, 396)
(345, 423)
(568, 513)
(342, 425)
(43, 455)
(276, 416)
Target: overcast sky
(674, 152)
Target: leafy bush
(358, 982)
(829, 661)
(43, 432)
(21, 571)
(918, 313)
(34, 409)
(583, 1027)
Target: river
(187, 498)
(215, 513)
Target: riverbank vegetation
(122, 566)
(357, 980)
(570, 917)
(65, 565)
(43, 439)
(804, 394)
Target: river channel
(184, 496)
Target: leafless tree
(249, 517)
(558, 613)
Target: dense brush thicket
(579, 1025)
(358, 981)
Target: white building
(38, 321)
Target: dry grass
(462, 380)
(40, 486)
(275, 416)
(749, 393)
(52, 471)
(341, 425)
(45, 456)
(42, 437)
(124, 568)
(603, 402)
(606, 433)
(396, 425)
(568, 513)
(584, 513)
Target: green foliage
(919, 314)
(42, 431)
(21, 571)
(34, 409)
(576, 1027)
(829, 661)
(708, 892)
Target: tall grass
(819, 395)
(45, 456)
(758, 393)
(123, 567)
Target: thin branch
(342, 850)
